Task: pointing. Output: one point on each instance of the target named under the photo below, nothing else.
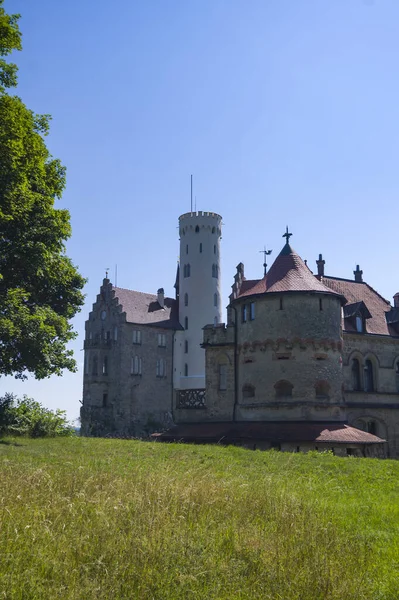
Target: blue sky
(285, 111)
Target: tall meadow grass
(89, 518)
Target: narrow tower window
(222, 377)
(244, 313)
(186, 370)
(185, 299)
(356, 375)
(368, 376)
(197, 229)
(281, 304)
(105, 365)
(94, 370)
(320, 304)
(186, 347)
(215, 299)
(252, 311)
(201, 248)
(185, 322)
(186, 248)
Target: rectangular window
(186, 347)
(136, 336)
(244, 313)
(161, 367)
(222, 377)
(161, 340)
(252, 311)
(135, 367)
(115, 333)
(105, 399)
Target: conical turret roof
(288, 273)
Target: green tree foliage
(25, 416)
(40, 288)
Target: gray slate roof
(144, 309)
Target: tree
(40, 288)
(25, 416)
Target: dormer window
(355, 317)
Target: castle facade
(305, 361)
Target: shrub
(25, 416)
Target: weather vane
(106, 272)
(265, 253)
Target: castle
(304, 361)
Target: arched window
(283, 389)
(322, 389)
(94, 370)
(213, 230)
(248, 391)
(356, 383)
(105, 365)
(185, 299)
(186, 370)
(185, 322)
(215, 299)
(368, 376)
(197, 229)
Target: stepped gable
(144, 309)
(354, 292)
(288, 273)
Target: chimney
(320, 266)
(396, 300)
(358, 274)
(161, 297)
(238, 279)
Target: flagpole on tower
(191, 193)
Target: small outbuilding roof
(273, 432)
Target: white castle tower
(200, 300)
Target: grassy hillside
(92, 519)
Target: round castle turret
(200, 301)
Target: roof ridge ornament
(287, 235)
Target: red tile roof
(144, 309)
(275, 432)
(288, 273)
(361, 292)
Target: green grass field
(91, 518)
